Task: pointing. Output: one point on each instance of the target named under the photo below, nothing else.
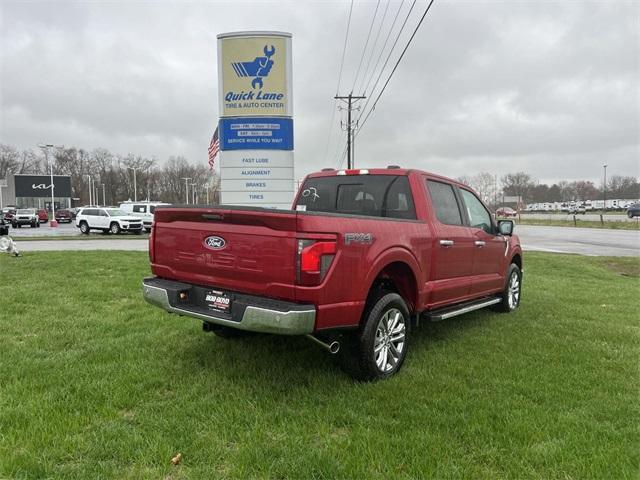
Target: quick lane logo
(215, 243)
(259, 68)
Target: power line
(333, 108)
(397, 63)
(375, 42)
(384, 45)
(350, 144)
(395, 42)
(364, 50)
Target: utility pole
(135, 185)
(350, 142)
(604, 189)
(186, 184)
(45, 148)
(193, 193)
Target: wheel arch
(396, 271)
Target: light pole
(104, 201)
(45, 148)
(604, 189)
(90, 188)
(193, 193)
(186, 184)
(135, 187)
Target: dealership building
(34, 191)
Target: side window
(398, 200)
(478, 215)
(102, 213)
(140, 208)
(444, 203)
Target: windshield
(26, 211)
(116, 212)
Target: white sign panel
(253, 185)
(257, 198)
(256, 158)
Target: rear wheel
(512, 291)
(379, 349)
(114, 228)
(84, 228)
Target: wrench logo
(259, 68)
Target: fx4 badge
(364, 238)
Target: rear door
(489, 248)
(452, 259)
(252, 251)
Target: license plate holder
(218, 301)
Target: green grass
(82, 237)
(635, 225)
(94, 383)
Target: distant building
(34, 191)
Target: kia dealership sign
(256, 124)
(40, 185)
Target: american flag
(214, 148)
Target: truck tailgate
(256, 254)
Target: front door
(489, 247)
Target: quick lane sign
(249, 133)
(254, 74)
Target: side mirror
(505, 227)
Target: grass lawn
(94, 383)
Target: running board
(448, 312)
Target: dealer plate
(218, 300)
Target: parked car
(506, 212)
(577, 209)
(142, 209)
(25, 216)
(43, 216)
(361, 255)
(633, 210)
(4, 227)
(8, 213)
(63, 216)
(108, 220)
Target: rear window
(371, 195)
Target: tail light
(151, 243)
(313, 260)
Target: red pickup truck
(361, 257)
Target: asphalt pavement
(583, 241)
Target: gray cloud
(551, 88)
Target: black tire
(358, 356)
(114, 228)
(19, 225)
(137, 232)
(148, 230)
(38, 225)
(510, 298)
(629, 214)
(105, 231)
(84, 228)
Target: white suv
(142, 209)
(108, 220)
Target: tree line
(160, 181)
(492, 189)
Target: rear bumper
(251, 313)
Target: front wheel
(115, 228)
(84, 228)
(629, 214)
(512, 291)
(379, 349)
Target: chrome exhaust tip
(333, 347)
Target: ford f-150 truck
(362, 255)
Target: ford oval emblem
(214, 242)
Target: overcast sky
(550, 88)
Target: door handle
(446, 243)
(480, 243)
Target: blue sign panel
(249, 133)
